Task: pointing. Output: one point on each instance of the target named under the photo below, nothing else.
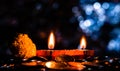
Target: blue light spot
(86, 26)
(115, 20)
(88, 23)
(96, 14)
(111, 7)
(82, 26)
(115, 33)
(89, 9)
(111, 45)
(95, 28)
(75, 9)
(100, 11)
(55, 5)
(102, 17)
(97, 5)
(95, 36)
(114, 44)
(106, 56)
(100, 23)
(105, 5)
(111, 60)
(38, 6)
(87, 1)
(80, 18)
(117, 8)
(88, 31)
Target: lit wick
(51, 43)
(83, 43)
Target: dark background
(38, 18)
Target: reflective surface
(102, 63)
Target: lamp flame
(51, 41)
(83, 43)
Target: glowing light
(115, 33)
(111, 45)
(51, 41)
(80, 18)
(88, 22)
(111, 60)
(100, 11)
(89, 9)
(75, 9)
(114, 45)
(82, 26)
(50, 64)
(38, 6)
(96, 15)
(117, 8)
(105, 5)
(83, 42)
(97, 5)
(102, 18)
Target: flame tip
(83, 42)
(51, 41)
